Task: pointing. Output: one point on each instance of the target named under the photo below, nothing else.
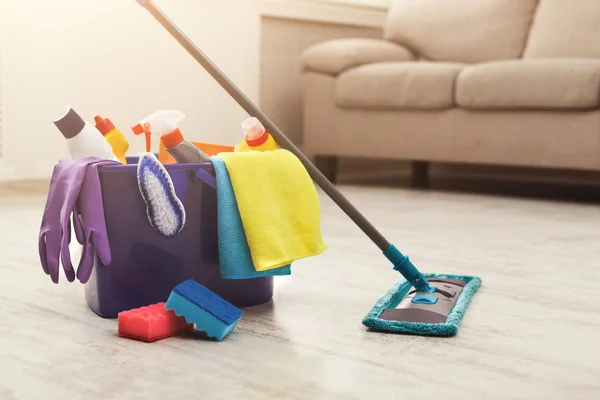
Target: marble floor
(531, 332)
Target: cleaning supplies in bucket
(83, 139)
(113, 136)
(256, 137)
(165, 211)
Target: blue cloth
(234, 253)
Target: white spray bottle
(83, 139)
(158, 123)
(165, 124)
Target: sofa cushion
(398, 85)
(530, 84)
(565, 29)
(335, 56)
(461, 30)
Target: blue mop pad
(399, 291)
(234, 252)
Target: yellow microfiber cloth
(278, 204)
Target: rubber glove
(89, 215)
(55, 232)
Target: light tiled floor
(532, 331)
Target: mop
(427, 305)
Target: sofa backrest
(467, 31)
(565, 28)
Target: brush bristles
(165, 211)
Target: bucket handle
(206, 178)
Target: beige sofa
(504, 82)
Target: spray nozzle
(144, 128)
(159, 123)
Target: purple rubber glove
(68, 180)
(91, 231)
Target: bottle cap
(68, 122)
(172, 138)
(104, 125)
(254, 132)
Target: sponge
(151, 323)
(211, 313)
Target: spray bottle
(83, 139)
(165, 124)
(113, 136)
(256, 137)
(159, 123)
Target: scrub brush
(165, 211)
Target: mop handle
(401, 262)
(254, 111)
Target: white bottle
(83, 138)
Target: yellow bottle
(255, 137)
(114, 137)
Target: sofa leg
(420, 174)
(328, 165)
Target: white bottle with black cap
(83, 138)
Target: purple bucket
(145, 266)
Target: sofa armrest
(336, 56)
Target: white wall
(111, 57)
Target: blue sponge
(211, 313)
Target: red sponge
(151, 323)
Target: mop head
(398, 293)
(165, 211)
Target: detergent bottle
(113, 136)
(158, 123)
(83, 139)
(255, 137)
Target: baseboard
(366, 169)
(34, 186)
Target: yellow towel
(278, 204)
